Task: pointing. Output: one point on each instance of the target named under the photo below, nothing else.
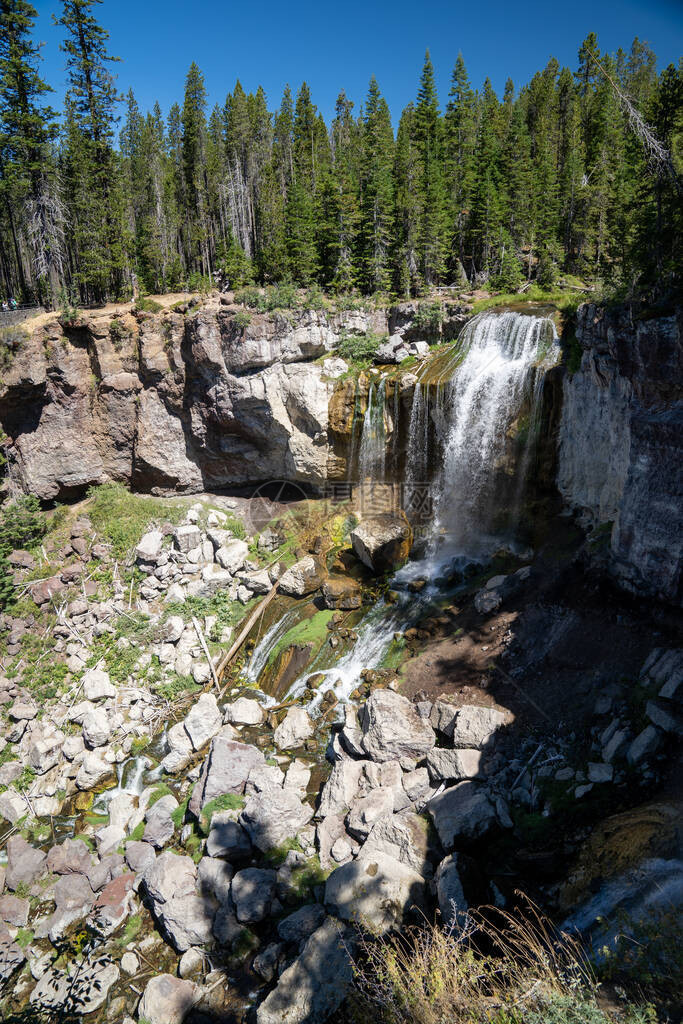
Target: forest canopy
(548, 179)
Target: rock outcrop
(620, 446)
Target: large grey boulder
(379, 892)
(403, 837)
(187, 537)
(184, 917)
(274, 815)
(92, 771)
(24, 863)
(465, 812)
(391, 352)
(302, 923)
(253, 891)
(304, 577)
(225, 770)
(214, 878)
(367, 810)
(382, 543)
(316, 984)
(227, 838)
(244, 711)
(96, 728)
(149, 548)
(203, 721)
(159, 826)
(341, 788)
(295, 728)
(167, 1000)
(180, 749)
(393, 729)
(474, 727)
(446, 765)
(97, 685)
(232, 555)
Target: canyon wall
(621, 443)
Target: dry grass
(499, 968)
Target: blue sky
(334, 46)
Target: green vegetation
(359, 349)
(24, 937)
(161, 790)
(22, 524)
(226, 802)
(312, 630)
(178, 815)
(137, 833)
(277, 854)
(131, 931)
(145, 305)
(11, 340)
(548, 179)
(121, 517)
(227, 611)
(242, 320)
(305, 878)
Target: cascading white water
(493, 365)
(483, 397)
(372, 452)
(261, 652)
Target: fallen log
(244, 633)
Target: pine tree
(91, 167)
(459, 143)
(376, 192)
(29, 190)
(300, 210)
(193, 120)
(432, 229)
(407, 206)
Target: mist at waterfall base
(497, 363)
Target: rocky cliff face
(172, 402)
(621, 444)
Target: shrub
(145, 305)
(22, 524)
(429, 318)
(359, 348)
(11, 340)
(242, 320)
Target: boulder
(45, 751)
(214, 878)
(302, 923)
(304, 577)
(369, 809)
(149, 548)
(295, 728)
(392, 729)
(244, 711)
(159, 826)
(446, 765)
(167, 1000)
(404, 837)
(24, 863)
(474, 727)
(96, 728)
(391, 352)
(253, 891)
(14, 911)
(187, 537)
(644, 745)
(342, 593)
(227, 838)
(316, 984)
(97, 685)
(463, 813)
(71, 857)
(185, 918)
(378, 892)
(180, 749)
(203, 721)
(273, 816)
(232, 555)
(139, 855)
(382, 543)
(225, 770)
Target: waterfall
(261, 653)
(372, 453)
(481, 401)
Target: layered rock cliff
(621, 443)
(172, 402)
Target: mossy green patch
(312, 631)
(225, 802)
